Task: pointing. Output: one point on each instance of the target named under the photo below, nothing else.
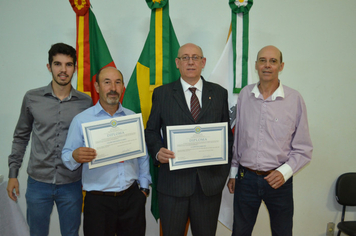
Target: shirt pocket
(282, 129)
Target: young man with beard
(114, 204)
(46, 114)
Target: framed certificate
(115, 140)
(197, 145)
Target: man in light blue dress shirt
(116, 193)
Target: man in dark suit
(193, 193)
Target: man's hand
(275, 179)
(164, 155)
(231, 185)
(84, 154)
(11, 185)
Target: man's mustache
(113, 93)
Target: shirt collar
(48, 90)
(186, 86)
(99, 109)
(278, 93)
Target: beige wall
(317, 39)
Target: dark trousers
(202, 210)
(109, 215)
(250, 190)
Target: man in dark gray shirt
(46, 113)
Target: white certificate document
(115, 139)
(198, 145)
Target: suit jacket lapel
(207, 95)
(178, 94)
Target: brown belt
(114, 194)
(258, 172)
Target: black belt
(113, 194)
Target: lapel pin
(209, 98)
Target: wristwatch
(145, 190)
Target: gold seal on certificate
(115, 140)
(197, 145)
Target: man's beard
(61, 83)
(112, 101)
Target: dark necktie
(194, 104)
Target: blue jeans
(250, 191)
(40, 198)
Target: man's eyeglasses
(186, 58)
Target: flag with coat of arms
(92, 51)
(232, 71)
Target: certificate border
(106, 123)
(172, 130)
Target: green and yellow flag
(92, 51)
(155, 67)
